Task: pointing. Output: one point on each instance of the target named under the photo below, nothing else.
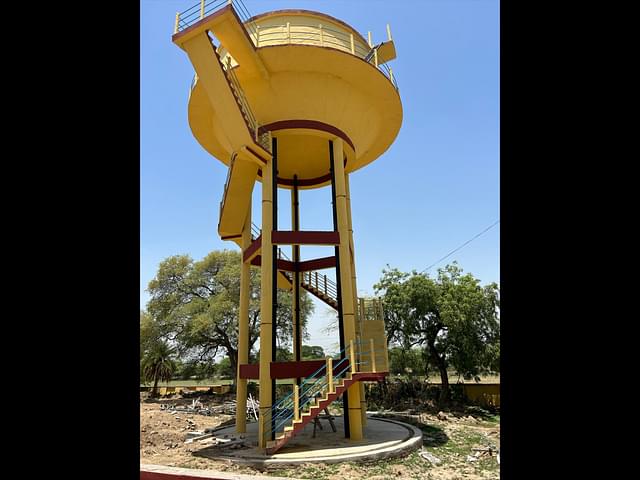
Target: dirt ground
(451, 438)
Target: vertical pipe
(296, 402)
(266, 317)
(345, 395)
(297, 330)
(201, 9)
(356, 302)
(243, 329)
(348, 313)
(274, 275)
(175, 28)
(352, 354)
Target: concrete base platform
(383, 439)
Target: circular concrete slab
(382, 439)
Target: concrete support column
(352, 258)
(266, 305)
(243, 329)
(346, 283)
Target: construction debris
(211, 440)
(484, 451)
(430, 457)
(196, 407)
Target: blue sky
(435, 188)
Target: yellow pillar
(266, 312)
(352, 258)
(346, 283)
(243, 330)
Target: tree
(158, 365)
(312, 352)
(453, 317)
(195, 305)
(403, 361)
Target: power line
(465, 243)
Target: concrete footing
(382, 439)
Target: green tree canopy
(312, 352)
(453, 317)
(158, 364)
(195, 305)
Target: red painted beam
(317, 264)
(252, 249)
(285, 265)
(305, 238)
(250, 371)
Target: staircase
(317, 391)
(318, 284)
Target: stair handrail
(226, 186)
(193, 14)
(311, 395)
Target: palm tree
(158, 365)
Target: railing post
(325, 284)
(330, 374)
(321, 36)
(175, 28)
(389, 32)
(391, 75)
(296, 402)
(201, 9)
(375, 55)
(288, 32)
(317, 280)
(353, 46)
(257, 36)
(369, 37)
(352, 356)
(373, 356)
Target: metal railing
(226, 186)
(302, 34)
(204, 8)
(323, 36)
(324, 381)
(321, 283)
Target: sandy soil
(162, 437)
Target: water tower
(294, 99)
